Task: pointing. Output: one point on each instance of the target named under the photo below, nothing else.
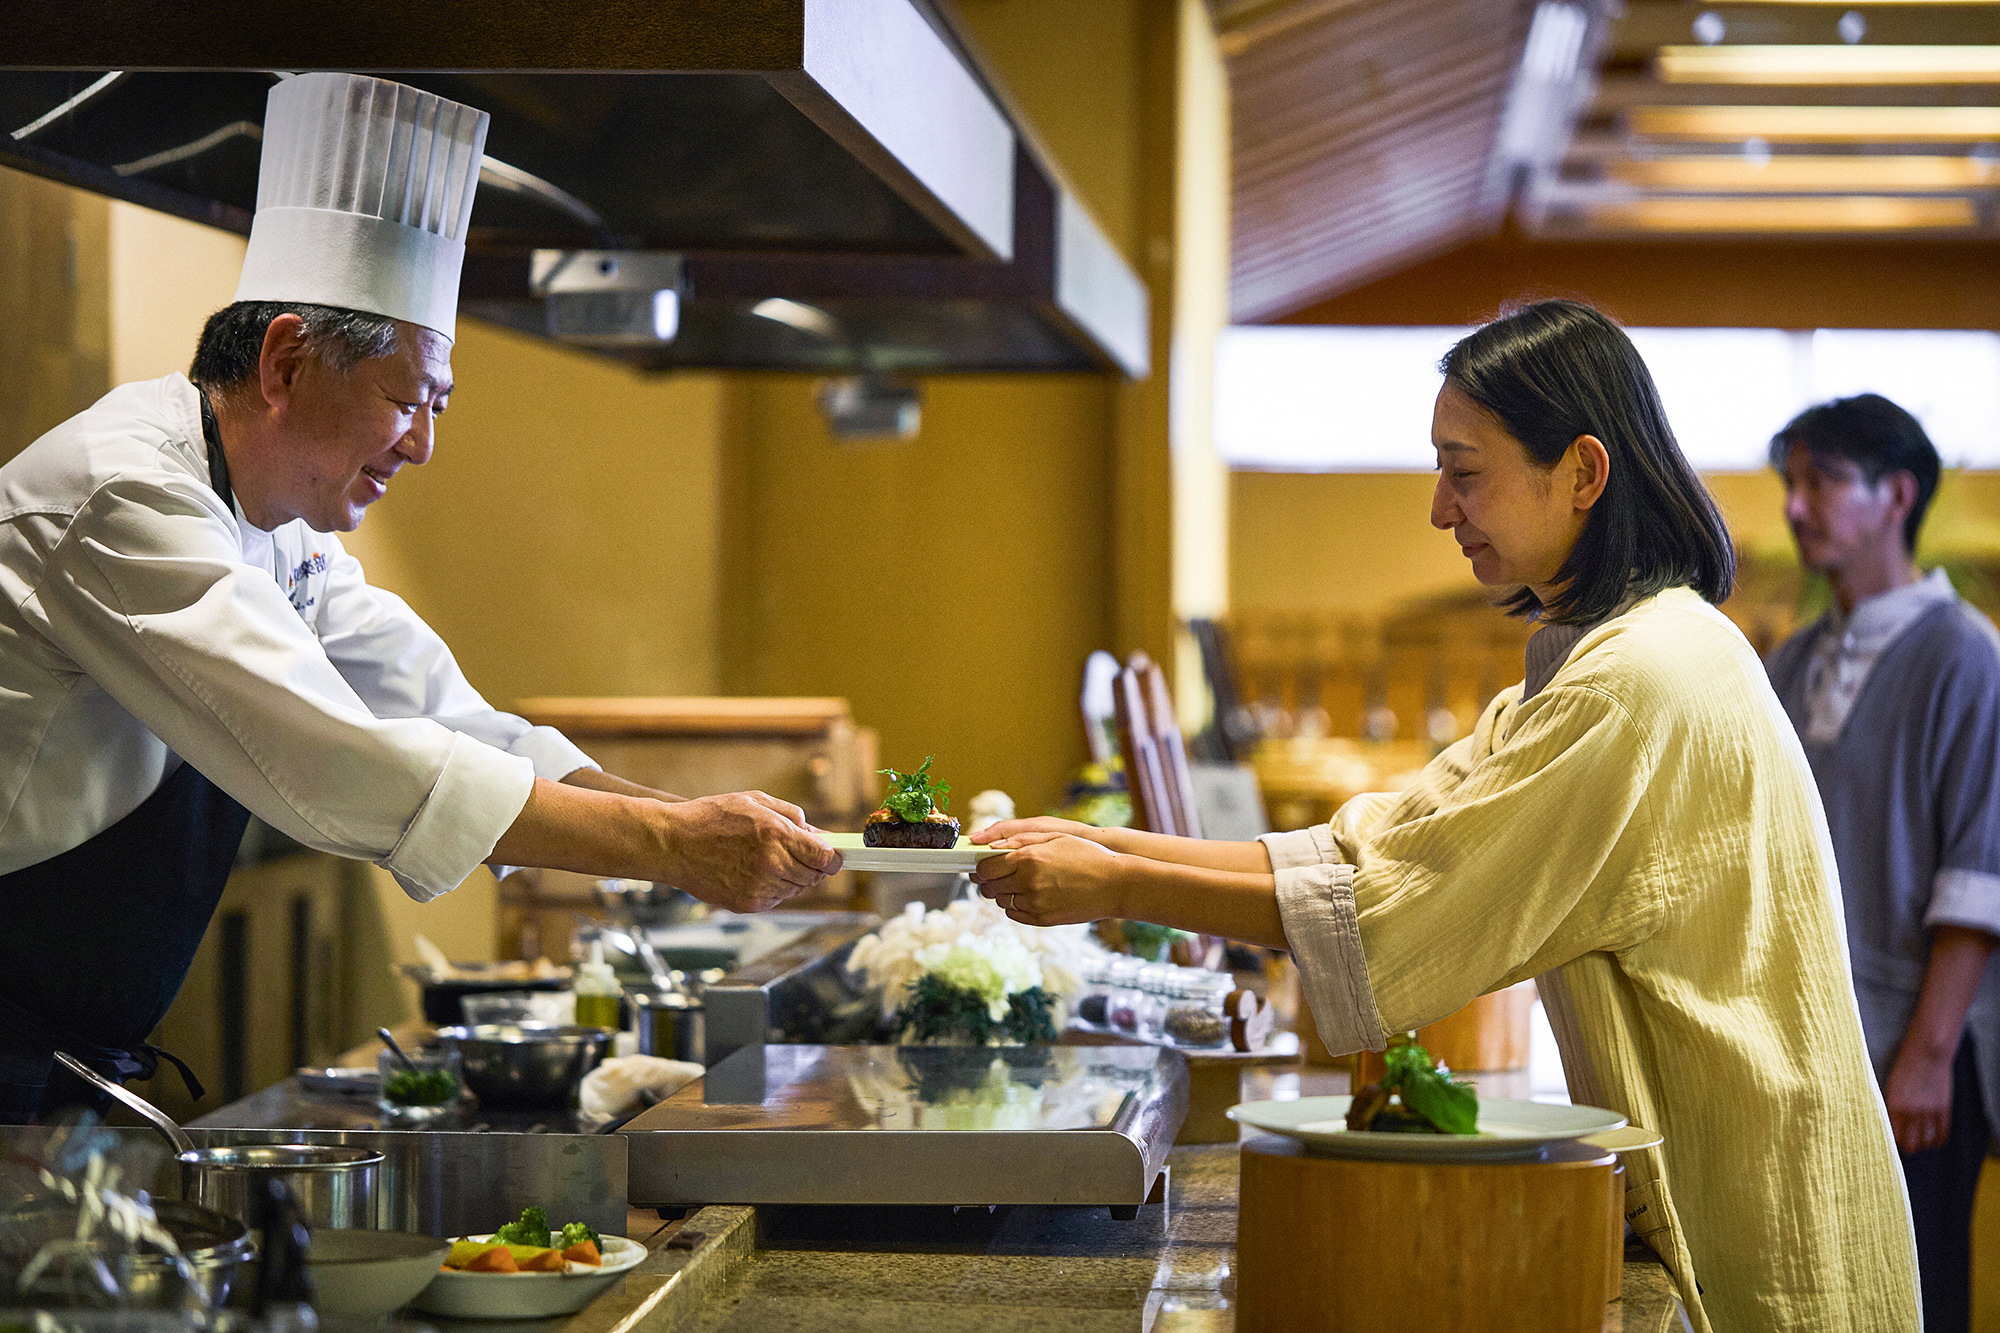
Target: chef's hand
(1052, 878)
(1008, 828)
(1919, 1098)
(745, 851)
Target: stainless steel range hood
(843, 153)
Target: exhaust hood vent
(841, 153)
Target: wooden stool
(1347, 1245)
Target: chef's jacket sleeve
(1496, 865)
(401, 668)
(148, 594)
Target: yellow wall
(166, 277)
(54, 312)
(563, 537)
(1361, 543)
(950, 586)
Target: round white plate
(1507, 1128)
(527, 1295)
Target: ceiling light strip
(1850, 213)
(1785, 174)
(1817, 124)
(1891, 65)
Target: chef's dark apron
(97, 940)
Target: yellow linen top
(1644, 838)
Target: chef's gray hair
(232, 341)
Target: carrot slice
(584, 1252)
(495, 1260)
(548, 1261)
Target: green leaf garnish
(912, 796)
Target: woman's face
(1515, 521)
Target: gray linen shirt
(1909, 785)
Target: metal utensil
(390, 1042)
(159, 1119)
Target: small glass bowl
(419, 1095)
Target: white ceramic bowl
(366, 1274)
(458, 1295)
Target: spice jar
(1093, 1006)
(1194, 1018)
(1124, 998)
(1158, 985)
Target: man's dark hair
(233, 339)
(1554, 370)
(1876, 436)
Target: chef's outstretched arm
(598, 780)
(745, 851)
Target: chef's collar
(218, 461)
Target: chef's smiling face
(351, 432)
(1507, 514)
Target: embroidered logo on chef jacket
(298, 584)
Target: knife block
(1346, 1245)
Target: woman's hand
(1009, 828)
(1052, 878)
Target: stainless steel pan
(334, 1186)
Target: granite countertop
(1011, 1270)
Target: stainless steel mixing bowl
(526, 1064)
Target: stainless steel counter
(463, 1175)
(919, 1125)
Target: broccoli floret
(575, 1233)
(532, 1229)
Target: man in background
(1895, 692)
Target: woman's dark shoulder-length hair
(1554, 370)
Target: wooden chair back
(1145, 775)
(1179, 780)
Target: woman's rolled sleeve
(1316, 903)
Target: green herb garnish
(420, 1087)
(912, 796)
(1429, 1091)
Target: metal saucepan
(334, 1186)
(213, 1247)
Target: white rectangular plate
(911, 860)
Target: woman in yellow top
(1634, 826)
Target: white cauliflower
(919, 941)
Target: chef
(184, 641)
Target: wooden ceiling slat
(1360, 135)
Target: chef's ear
(282, 359)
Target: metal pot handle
(175, 1134)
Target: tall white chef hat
(364, 192)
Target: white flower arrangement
(974, 945)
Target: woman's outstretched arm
(1053, 879)
(1243, 857)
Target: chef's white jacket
(143, 623)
